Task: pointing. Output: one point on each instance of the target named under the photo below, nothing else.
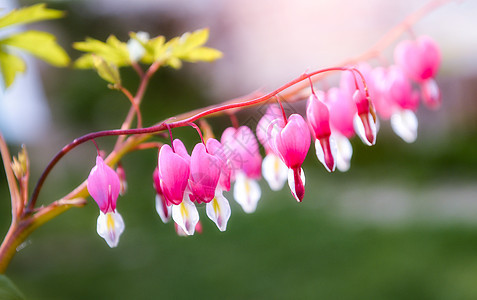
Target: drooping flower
(218, 210)
(420, 59)
(163, 210)
(404, 101)
(174, 171)
(204, 174)
(103, 185)
(241, 148)
(291, 141)
(365, 119)
(318, 117)
(342, 111)
(215, 148)
(274, 170)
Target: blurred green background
(401, 224)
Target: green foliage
(113, 51)
(41, 44)
(188, 47)
(30, 14)
(10, 66)
(107, 71)
(8, 291)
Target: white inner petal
(185, 215)
(344, 152)
(359, 129)
(162, 209)
(404, 123)
(320, 153)
(110, 226)
(274, 171)
(247, 192)
(218, 210)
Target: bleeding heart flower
(204, 174)
(318, 117)
(291, 142)
(174, 171)
(103, 185)
(243, 154)
(274, 170)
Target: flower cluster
(183, 181)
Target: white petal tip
(110, 226)
(218, 210)
(247, 192)
(404, 123)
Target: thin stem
(170, 135)
(12, 183)
(283, 110)
(234, 120)
(138, 98)
(134, 104)
(198, 131)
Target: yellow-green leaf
(174, 62)
(203, 54)
(40, 44)
(113, 51)
(194, 39)
(29, 14)
(10, 66)
(84, 62)
(107, 71)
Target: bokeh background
(402, 223)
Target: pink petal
(318, 117)
(215, 148)
(342, 111)
(293, 141)
(103, 185)
(174, 174)
(204, 174)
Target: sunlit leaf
(84, 62)
(113, 51)
(202, 54)
(189, 48)
(107, 71)
(29, 14)
(153, 47)
(174, 62)
(8, 291)
(40, 44)
(10, 65)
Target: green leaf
(84, 62)
(202, 54)
(174, 62)
(8, 291)
(10, 65)
(30, 14)
(189, 48)
(113, 51)
(194, 39)
(41, 44)
(107, 71)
